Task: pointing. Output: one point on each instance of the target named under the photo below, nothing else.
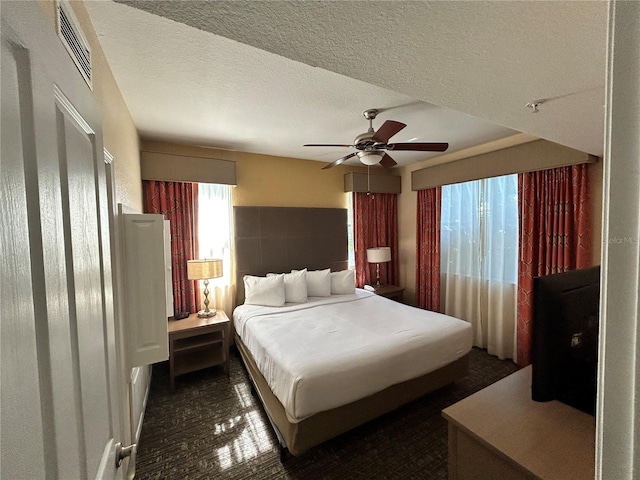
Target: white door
(57, 341)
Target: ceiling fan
(372, 146)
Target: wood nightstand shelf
(196, 343)
(390, 291)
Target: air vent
(73, 40)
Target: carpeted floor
(213, 428)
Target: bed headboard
(279, 239)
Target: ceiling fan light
(370, 158)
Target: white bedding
(334, 350)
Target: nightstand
(393, 292)
(196, 343)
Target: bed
(327, 365)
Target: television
(565, 338)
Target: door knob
(124, 452)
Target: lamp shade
(204, 269)
(379, 254)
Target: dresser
(499, 432)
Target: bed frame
(297, 438)
(279, 239)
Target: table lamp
(378, 255)
(204, 270)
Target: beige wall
(272, 181)
(407, 212)
(266, 180)
(120, 135)
(277, 181)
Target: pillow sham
(318, 282)
(343, 282)
(295, 286)
(266, 291)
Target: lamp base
(207, 313)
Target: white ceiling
(269, 76)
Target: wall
(407, 206)
(276, 181)
(272, 181)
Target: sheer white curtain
(215, 234)
(479, 259)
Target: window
(480, 229)
(479, 259)
(214, 227)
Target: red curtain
(375, 225)
(555, 235)
(428, 249)
(178, 203)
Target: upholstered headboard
(279, 239)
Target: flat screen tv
(565, 338)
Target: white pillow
(267, 291)
(343, 283)
(295, 286)
(318, 282)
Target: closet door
(146, 253)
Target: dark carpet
(212, 427)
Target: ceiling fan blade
(387, 130)
(326, 145)
(387, 161)
(419, 147)
(339, 161)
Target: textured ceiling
(267, 77)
